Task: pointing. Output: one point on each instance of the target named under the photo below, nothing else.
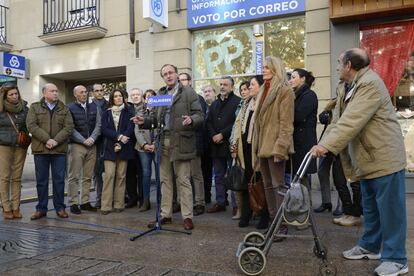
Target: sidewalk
(105, 248)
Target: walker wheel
(252, 261)
(322, 253)
(327, 269)
(256, 238)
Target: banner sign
(156, 11)
(163, 100)
(259, 57)
(13, 65)
(203, 13)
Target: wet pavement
(94, 244)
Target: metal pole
(132, 21)
(178, 6)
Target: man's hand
(50, 144)
(318, 151)
(149, 148)
(187, 120)
(89, 142)
(124, 139)
(218, 138)
(138, 120)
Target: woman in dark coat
(12, 155)
(306, 108)
(117, 128)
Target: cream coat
(365, 130)
(273, 124)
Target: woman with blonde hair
(13, 113)
(273, 130)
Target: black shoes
(323, 207)
(338, 211)
(87, 207)
(74, 209)
(199, 210)
(130, 204)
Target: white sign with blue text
(162, 100)
(13, 66)
(203, 13)
(156, 11)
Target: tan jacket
(365, 130)
(44, 126)
(273, 124)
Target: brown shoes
(37, 215)
(62, 214)
(162, 222)
(17, 214)
(217, 208)
(8, 215)
(188, 224)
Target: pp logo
(14, 62)
(156, 6)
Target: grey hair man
(82, 149)
(50, 123)
(366, 134)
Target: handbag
(257, 198)
(23, 139)
(234, 179)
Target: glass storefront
(231, 51)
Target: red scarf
(265, 92)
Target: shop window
(390, 48)
(286, 39)
(223, 52)
(231, 51)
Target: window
(389, 47)
(231, 51)
(286, 39)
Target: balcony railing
(3, 24)
(61, 15)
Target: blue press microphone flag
(163, 100)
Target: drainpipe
(131, 21)
(178, 6)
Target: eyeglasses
(98, 90)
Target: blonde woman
(273, 130)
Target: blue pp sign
(14, 65)
(156, 11)
(163, 100)
(259, 57)
(203, 13)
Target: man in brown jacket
(368, 137)
(50, 123)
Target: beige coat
(273, 124)
(365, 130)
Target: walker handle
(303, 167)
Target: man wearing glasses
(178, 123)
(102, 103)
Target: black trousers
(134, 180)
(207, 169)
(350, 204)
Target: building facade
(80, 41)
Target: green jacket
(182, 138)
(44, 125)
(365, 129)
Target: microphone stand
(157, 227)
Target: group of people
(195, 138)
